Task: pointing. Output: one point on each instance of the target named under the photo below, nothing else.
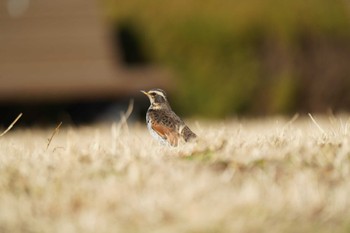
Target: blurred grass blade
(12, 124)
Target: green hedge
(244, 56)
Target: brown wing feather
(166, 133)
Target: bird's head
(157, 97)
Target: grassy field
(257, 175)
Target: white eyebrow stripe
(159, 93)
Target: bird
(163, 123)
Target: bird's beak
(145, 92)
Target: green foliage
(237, 56)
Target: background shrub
(247, 57)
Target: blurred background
(82, 60)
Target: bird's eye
(153, 94)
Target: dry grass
(264, 175)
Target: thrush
(163, 123)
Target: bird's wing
(166, 133)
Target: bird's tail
(188, 135)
